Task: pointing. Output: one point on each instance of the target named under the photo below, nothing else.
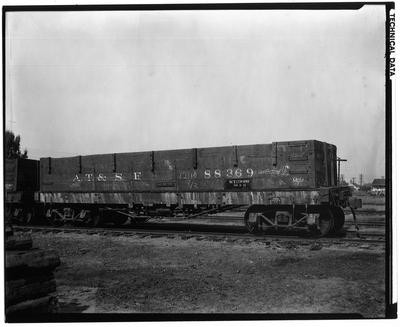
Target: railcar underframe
(319, 211)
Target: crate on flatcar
(21, 181)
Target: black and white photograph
(198, 161)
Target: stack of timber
(29, 277)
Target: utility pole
(361, 179)
(339, 160)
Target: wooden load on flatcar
(21, 181)
(285, 185)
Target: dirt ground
(115, 274)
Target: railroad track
(229, 235)
(369, 223)
(366, 223)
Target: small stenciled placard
(166, 184)
(238, 183)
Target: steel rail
(212, 235)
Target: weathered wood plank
(15, 292)
(46, 304)
(33, 259)
(18, 242)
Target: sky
(106, 82)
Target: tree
(13, 146)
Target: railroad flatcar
(284, 185)
(21, 182)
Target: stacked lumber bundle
(29, 277)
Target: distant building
(378, 187)
(354, 186)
